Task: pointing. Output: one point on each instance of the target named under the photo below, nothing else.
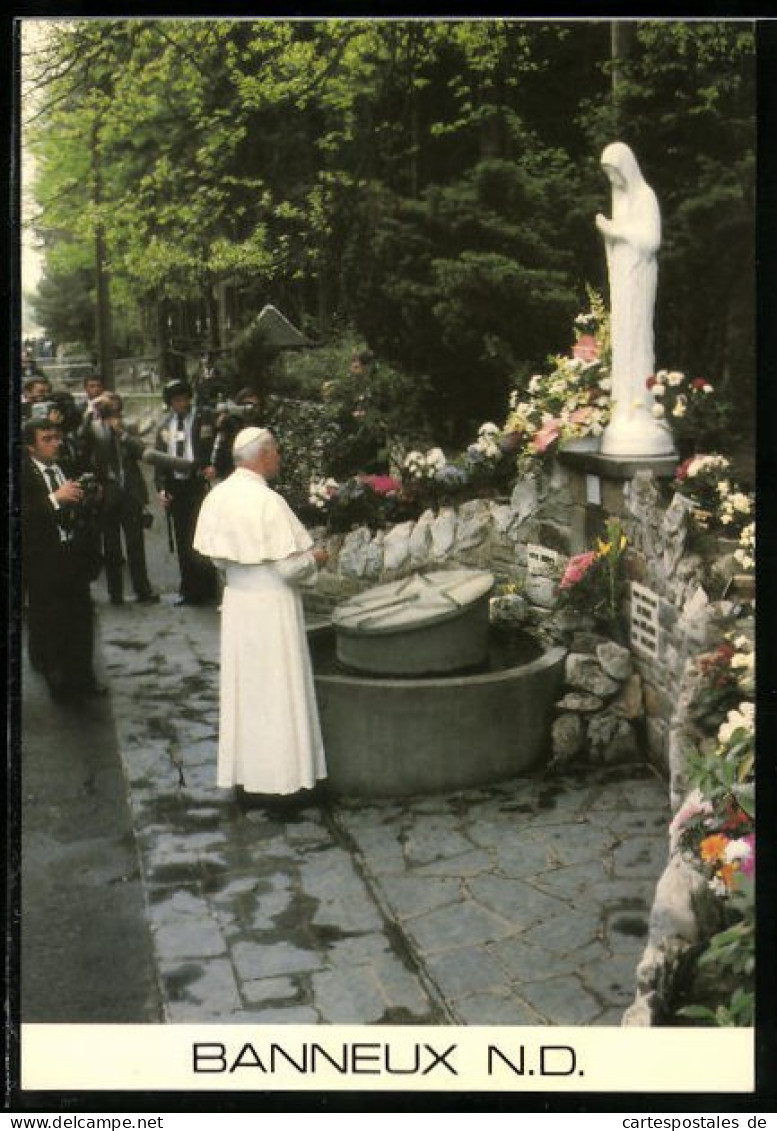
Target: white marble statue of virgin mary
(631, 239)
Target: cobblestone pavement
(522, 903)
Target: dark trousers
(198, 576)
(124, 514)
(59, 621)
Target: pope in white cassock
(269, 733)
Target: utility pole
(620, 42)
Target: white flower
(435, 458)
(658, 390)
(706, 388)
(717, 886)
(724, 488)
(679, 408)
(740, 503)
(535, 383)
(742, 718)
(605, 383)
(675, 378)
(737, 850)
(658, 410)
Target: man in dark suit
(113, 454)
(58, 565)
(186, 433)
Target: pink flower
(586, 348)
(698, 383)
(577, 568)
(747, 863)
(580, 416)
(546, 435)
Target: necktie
(51, 475)
(180, 444)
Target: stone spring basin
(388, 735)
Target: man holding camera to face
(58, 563)
(113, 454)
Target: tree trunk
(104, 319)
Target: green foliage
(431, 183)
(729, 961)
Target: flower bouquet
(572, 400)
(592, 581)
(720, 505)
(690, 407)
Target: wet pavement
(522, 903)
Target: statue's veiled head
(620, 165)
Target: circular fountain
(418, 693)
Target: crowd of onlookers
(86, 481)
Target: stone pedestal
(598, 483)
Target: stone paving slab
(522, 903)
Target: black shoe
(148, 598)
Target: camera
(41, 409)
(239, 410)
(89, 484)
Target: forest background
(423, 188)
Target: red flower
(682, 470)
(651, 381)
(698, 383)
(382, 484)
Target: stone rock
(420, 542)
(585, 673)
(510, 608)
(503, 517)
(396, 546)
(474, 524)
(629, 704)
(353, 555)
(683, 905)
(541, 590)
(695, 616)
(524, 500)
(567, 734)
(615, 660)
(443, 531)
(373, 563)
(587, 642)
(676, 515)
(580, 701)
(611, 739)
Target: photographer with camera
(113, 454)
(58, 563)
(186, 433)
(245, 411)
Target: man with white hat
(269, 736)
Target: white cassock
(269, 733)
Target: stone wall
(524, 538)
